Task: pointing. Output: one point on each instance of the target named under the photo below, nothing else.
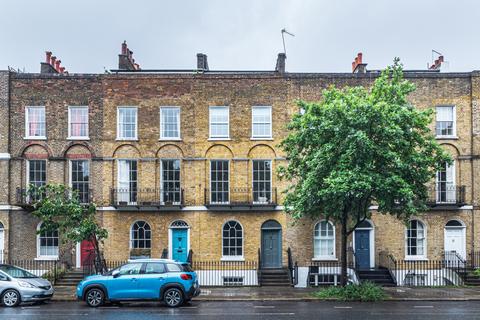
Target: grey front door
(271, 248)
(362, 249)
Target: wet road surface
(251, 310)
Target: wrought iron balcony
(27, 197)
(146, 199)
(443, 194)
(240, 199)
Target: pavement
(305, 294)
(247, 310)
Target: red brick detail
(79, 156)
(36, 156)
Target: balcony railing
(240, 199)
(26, 197)
(146, 198)
(443, 194)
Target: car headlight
(25, 284)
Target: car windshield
(15, 272)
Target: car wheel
(11, 298)
(173, 297)
(95, 297)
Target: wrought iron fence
(226, 273)
(27, 197)
(292, 268)
(425, 273)
(48, 269)
(324, 273)
(442, 193)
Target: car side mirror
(116, 274)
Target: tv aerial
(284, 31)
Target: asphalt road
(251, 310)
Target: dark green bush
(366, 291)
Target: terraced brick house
(181, 164)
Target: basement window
(233, 281)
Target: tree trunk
(99, 262)
(344, 276)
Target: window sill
(414, 258)
(446, 137)
(34, 138)
(219, 139)
(126, 139)
(170, 139)
(261, 138)
(46, 258)
(325, 259)
(78, 138)
(232, 259)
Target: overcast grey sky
(244, 35)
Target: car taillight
(186, 276)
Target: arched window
(47, 244)
(415, 239)
(324, 240)
(232, 236)
(141, 235)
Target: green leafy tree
(359, 147)
(59, 208)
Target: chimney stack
(438, 64)
(357, 65)
(125, 59)
(51, 64)
(280, 67)
(202, 62)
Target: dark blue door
(179, 244)
(362, 249)
(271, 248)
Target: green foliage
(59, 208)
(366, 291)
(50, 275)
(476, 272)
(358, 147)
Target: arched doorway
(179, 240)
(271, 245)
(363, 242)
(455, 240)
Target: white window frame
(418, 256)
(253, 181)
(262, 137)
(45, 257)
(27, 131)
(324, 257)
(119, 131)
(235, 257)
(70, 137)
(454, 120)
(27, 175)
(70, 173)
(161, 179)
(119, 187)
(228, 201)
(144, 239)
(451, 191)
(179, 137)
(218, 137)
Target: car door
(125, 284)
(151, 280)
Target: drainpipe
(472, 167)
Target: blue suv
(147, 279)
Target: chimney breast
(280, 67)
(202, 62)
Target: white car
(18, 285)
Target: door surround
(272, 225)
(371, 228)
(456, 224)
(177, 224)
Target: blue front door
(179, 244)
(362, 249)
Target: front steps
(274, 277)
(71, 278)
(381, 277)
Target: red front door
(87, 252)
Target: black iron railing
(474, 260)
(292, 268)
(146, 197)
(226, 273)
(444, 194)
(51, 270)
(324, 273)
(387, 261)
(27, 197)
(240, 197)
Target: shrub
(366, 291)
(476, 272)
(50, 275)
